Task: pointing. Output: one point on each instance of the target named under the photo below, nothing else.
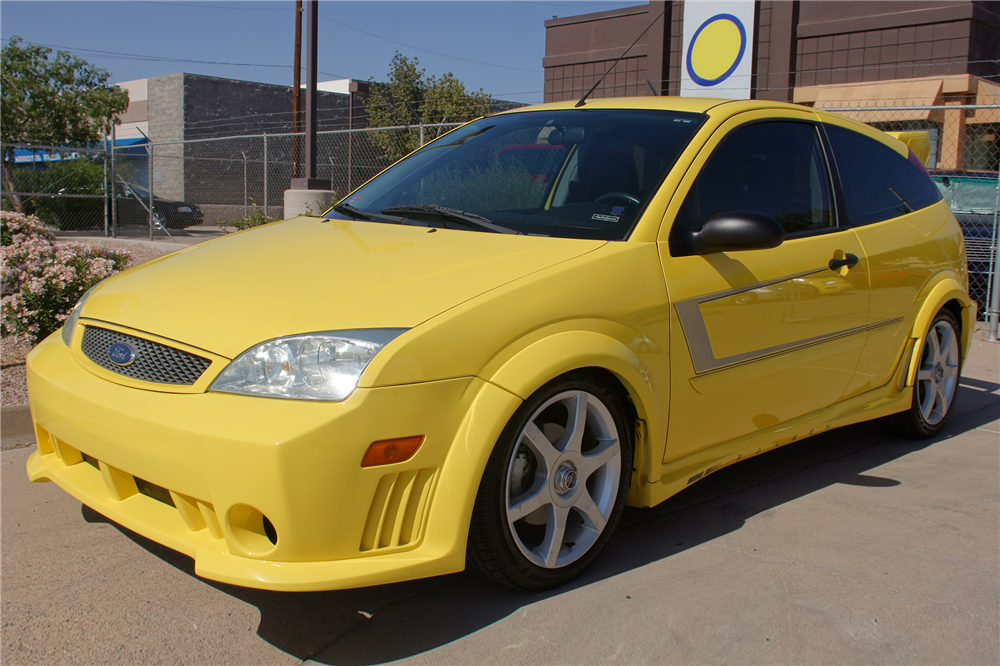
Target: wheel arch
(607, 360)
(946, 293)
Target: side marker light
(388, 451)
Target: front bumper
(200, 472)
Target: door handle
(849, 260)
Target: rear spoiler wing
(919, 143)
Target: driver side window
(776, 168)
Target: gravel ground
(13, 349)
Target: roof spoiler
(919, 143)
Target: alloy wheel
(937, 377)
(563, 479)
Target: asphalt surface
(847, 548)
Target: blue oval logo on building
(121, 354)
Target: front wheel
(936, 384)
(554, 487)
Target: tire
(554, 488)
(936, 386)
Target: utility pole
(312, 62)
(310, 192)
(297, 93)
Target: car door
(760, 336)
(908, 234)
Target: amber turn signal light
(387, 451)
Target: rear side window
(878, 182)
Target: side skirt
(677, 475)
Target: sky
(495, 46)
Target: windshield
(581, 173)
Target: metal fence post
(265, 175)
(992, 290)
(244, 182)
(114, 181)
(149, 182)
(104, 186)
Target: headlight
(74, 315)
(314, 366)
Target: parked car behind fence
(973, 197)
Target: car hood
(308, 274)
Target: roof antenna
(583, 99)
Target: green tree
(411, 98)
(52, 101)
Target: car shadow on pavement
(388, 622)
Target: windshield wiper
(907, 208)
(358, 214)
(451, 215)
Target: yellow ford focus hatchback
(483, 354)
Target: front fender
(539, 362)
(553, 355)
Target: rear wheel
(554, 488)
(936, 384)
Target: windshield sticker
(618, 210)
(604, 218)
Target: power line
(201, 6)
(349, 27)
(417, 48)
(148, 58)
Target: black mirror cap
(736, 230)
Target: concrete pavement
(849, 548)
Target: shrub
(255, 219)
(43, 281)
(15, 227)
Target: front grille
(153, 362)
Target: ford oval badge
(121, 354)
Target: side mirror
(732, 231)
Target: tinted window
(584, 173)
(777, 168)
(878, 182)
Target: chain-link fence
(157, 189)
(153, 190)
(231, 177)
(64, 187)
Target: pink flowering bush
(15, 228)
(42, 281)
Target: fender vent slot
(398, 510)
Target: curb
(16, 428)
(153, 245)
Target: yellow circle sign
(716, 49)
